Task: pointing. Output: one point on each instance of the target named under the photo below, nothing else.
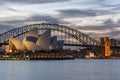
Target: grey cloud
(109, 22)
(92, 2)
(92, 28)
(117, 8)
(108, 25)
(113, 7)
(36, 18)
(82, 13)
(104, 3)
(102, 12)
(44, 18)
(31, 1)
(104, 27)
(76, 13)
(12, 9)
(118, 21)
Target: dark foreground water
(60, 70)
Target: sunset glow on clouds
(97, 18)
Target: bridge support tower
(105, 50)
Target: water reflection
(60, 70)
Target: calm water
(60, 70)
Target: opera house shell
(33, 41)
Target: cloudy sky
(97, 18)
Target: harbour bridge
(71, 37)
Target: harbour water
(79, 69)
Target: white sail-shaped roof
(17, 44)
(33, 32)
(44, 40)
(30, 39)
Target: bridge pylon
(105, 48)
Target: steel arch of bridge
(86, 40)
(78, 35)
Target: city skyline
(97, 18)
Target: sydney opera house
(33, 41)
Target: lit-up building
(106, 49)
(16, 44)
(33, 41)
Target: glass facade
(32, 39)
